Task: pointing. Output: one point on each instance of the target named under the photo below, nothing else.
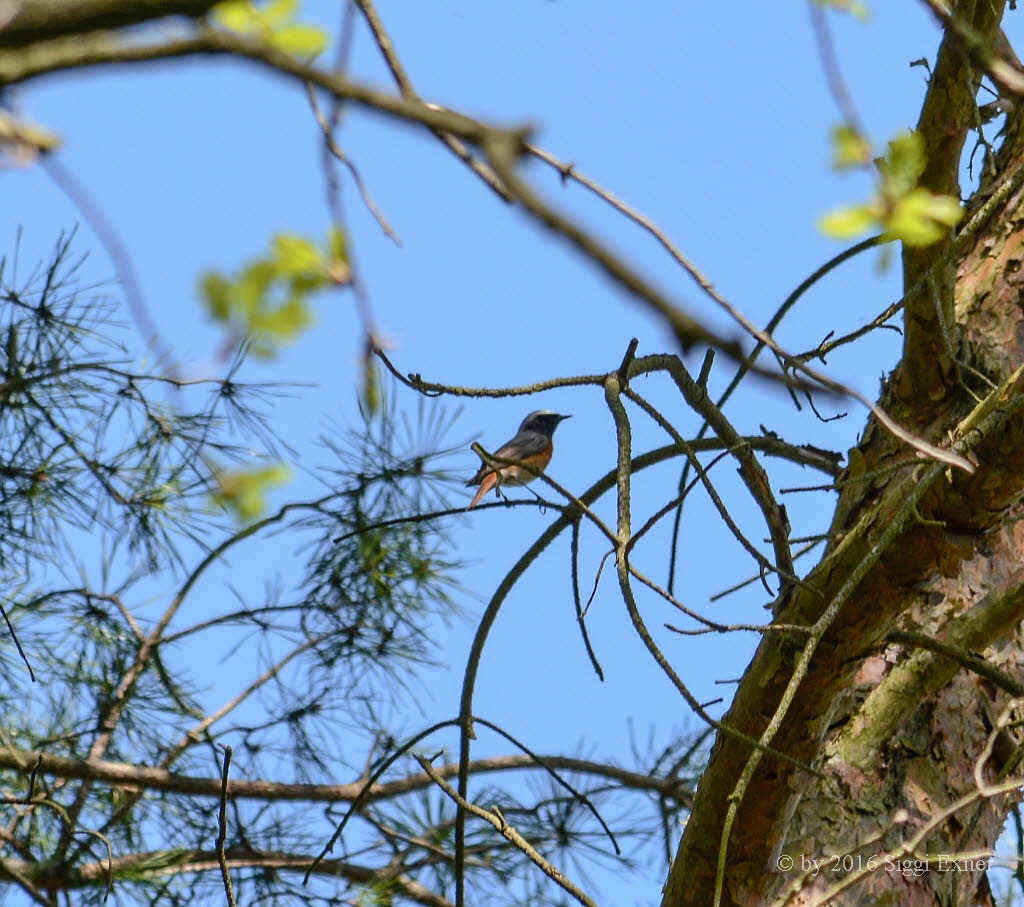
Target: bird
(532, 446)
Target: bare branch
(40, 20)
(222, 830)
(496, 819)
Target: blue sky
(711, 119)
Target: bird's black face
(543, 420)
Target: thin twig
(539, 760)
(222, 829)
(333, 147)
(574, 566)
(17, 643)
(496, 819)
(405, 86)
(119, 255)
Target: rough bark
(949, 110)
(896, 741)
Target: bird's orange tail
(486, 484)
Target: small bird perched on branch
(532, 446)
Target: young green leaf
(903, 165)
(244, 491)
(275, 23)
(300, 40)
(848, 221)
(921, 218)
(295, 256)
(268, 301)
(237, 15)
(849, 148)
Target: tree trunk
(897, 734)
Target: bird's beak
(562, 418)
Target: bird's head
(543, 420)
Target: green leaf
(216, 293)
(244, 491)
(848, 221)
(849, 148)
(904, 210)
(237, 15)
(252, 287)
(300, 40)
(286, 321)
(275, 23)
(296, 255)
(921, 218)
(268, 301)
(903, 165)
(277, 12)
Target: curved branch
(106, 48)
(495, 818)
(42, 20)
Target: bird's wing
(525, 444)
